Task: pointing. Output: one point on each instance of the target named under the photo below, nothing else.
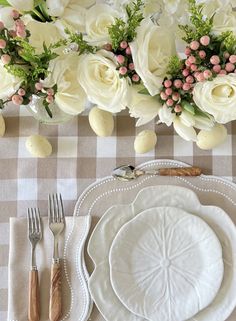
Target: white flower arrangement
(121, 56)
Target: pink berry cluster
(7, 35)
(125, 62)
(170, 94)
(47, 93)
(202, 63)
(18, 98)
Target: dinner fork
(56, 224)
(35, 235)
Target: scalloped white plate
(102, 237)
(166, 264)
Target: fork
(35, 235)
(56, 224)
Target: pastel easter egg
(145, 141)
(2, 126)
(101, 122)
(212, 138)
(38, 146)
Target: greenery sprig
(200, 25)
(126, 31)
(228, 41)
(78, 39)
(175, 66)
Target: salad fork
(56, 224)
(35, 235)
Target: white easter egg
(38, 146)
(212, 138)
(2, 125)
(101, 122)
(145, 141)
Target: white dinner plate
(105, 231)
(166, 264)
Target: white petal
(142, 106)
(5, 17)
(70, 96)
(186, 132)
(56, 7)
(74, 17)
(8, 83)
(49, 34)
(70, 104)
(204, 122)
(187, 118)
(22, 5)
(166, 116)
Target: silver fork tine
(50, 209)
(62, 214)
(55, 202)
(33, 215)
(54, 208)
(31, 221)
(28, 220)
(37, 220)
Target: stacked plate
(164, 257)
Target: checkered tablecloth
(79, 159)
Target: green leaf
(1, 104)
(38, 2)
(4, 3)
(83, 46)
(144, 91)
(188, 107)
(47, 109)
(45, 47)
(199, 112)
(44, 10)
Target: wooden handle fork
(33, 308)
(55, 308)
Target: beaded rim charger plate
(115, 217)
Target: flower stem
(38, 14)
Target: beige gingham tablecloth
(79, 158)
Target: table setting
(117, 160)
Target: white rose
(151, 51)
(98, 19)
(8, 83)
(70, 13)
(41, 32)
(224, 18)
(56, 8)
(98, 76)
(217, 97)
(143, 106)
(151, 7)
(70, 96)
(174, 6)
(22, 5)
(185, 123)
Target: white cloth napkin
(77, 303)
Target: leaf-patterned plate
(166, 264)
